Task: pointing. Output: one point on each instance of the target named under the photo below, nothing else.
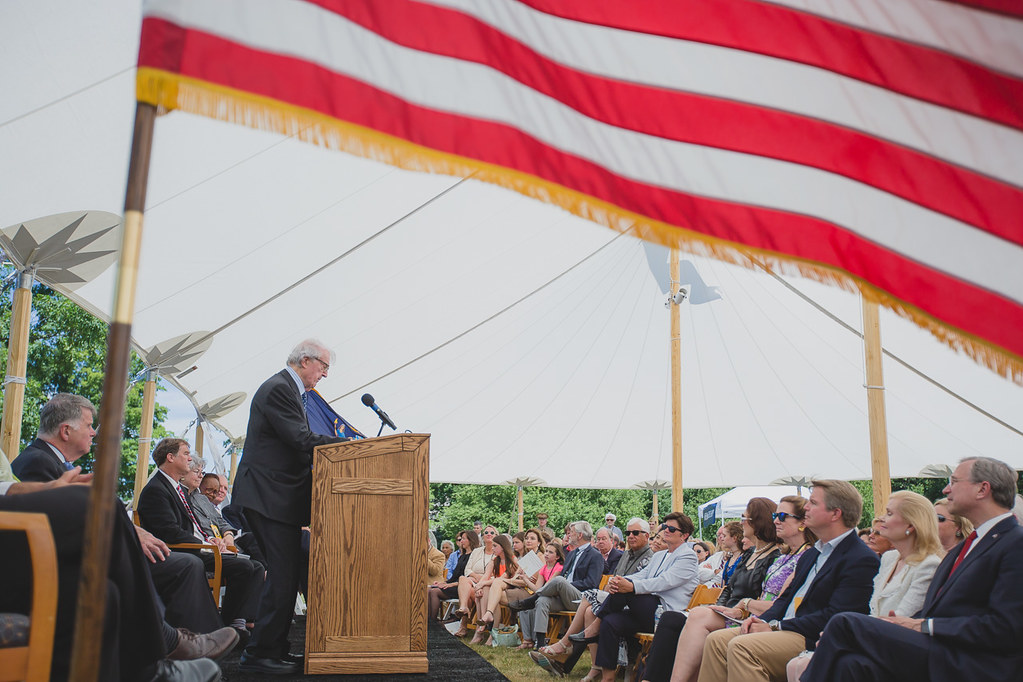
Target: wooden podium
(367, 557)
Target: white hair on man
(310, 348)
(644, 525)
(584, 529)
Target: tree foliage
(66, 354)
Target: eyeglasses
(634, 532)
(326, 367)
(942, 518)
(670, 529)
(782, 516)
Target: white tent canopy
(732, 504)
(529, 342)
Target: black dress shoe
(298, 659)
(524, 604)
(268, 666)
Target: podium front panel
(367, 559)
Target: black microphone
(368, 401)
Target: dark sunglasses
(489, 532)
(670, 529)
(634, 532)
(782, 516)
(942, 518)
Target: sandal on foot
(484, 618)
(593, 676)
(462, 633)
(556, 649)
(526, 644)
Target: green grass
(517, 665)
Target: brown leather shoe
(214, 645)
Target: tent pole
(17, 366)
(520, 508)
(876, 406)
(676, 388)
(145, 435)
(198, 438)
(92, 591)
(654, 514)
(234, 467)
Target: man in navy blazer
(583, 570)
(166, 514)
(65, 435)
(274, 489)
(971, 624)
(836, 575)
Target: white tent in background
(732, 505)
(529, 342)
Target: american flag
(878, 142)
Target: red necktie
(188, 508)
(962, 553)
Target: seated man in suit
(136, 643)
(65, 435)
(604, 541)
(835, 575)
(583, 570)
(971, 624)
(165, 512)
(211, 521)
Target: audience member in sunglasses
(561, 656)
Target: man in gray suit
(65, 435)
(274, 488)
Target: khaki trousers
(731, 657)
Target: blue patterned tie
(305, 401)
(69, 466)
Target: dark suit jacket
(613, 557)
(845, 583)
(162, 514)
(274, 476)
(589, 568)
(37, 463)
(978, 611)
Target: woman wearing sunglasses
(951, 527)
(681, 660)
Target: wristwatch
(775, 625)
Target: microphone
(368, 401)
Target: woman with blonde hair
(911, 526)
(952, 528)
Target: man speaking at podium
(274, 488)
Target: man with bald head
(274, 489)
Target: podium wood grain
(367, 557)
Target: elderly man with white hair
(583, 570)
(609, 523)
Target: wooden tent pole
(676, 388)
(17, 366)
(876, 407)
(92, 587)
(198, 437)
(520, 509)
(145, 435)
(654, 514)
(234, 467)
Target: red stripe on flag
(812, 239)
(1011, 8)
(965, 195)
(918, 71)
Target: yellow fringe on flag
(168, 91)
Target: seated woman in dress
(504, 590)
(450, 558)
(681, 659)
(952, 529)
(911, 526)
(467, 541)
(503, 567)
(475, 570)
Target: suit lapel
(982, 547)
(840, 550)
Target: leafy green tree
(66, 354)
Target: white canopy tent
(732, 504)
(529, 342)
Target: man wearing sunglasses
(668, 579)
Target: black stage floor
(449, 658)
